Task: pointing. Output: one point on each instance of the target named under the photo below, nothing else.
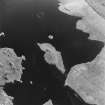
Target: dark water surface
(25, 24)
